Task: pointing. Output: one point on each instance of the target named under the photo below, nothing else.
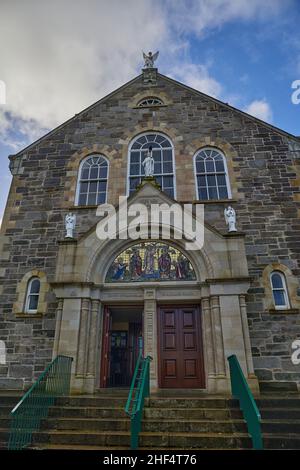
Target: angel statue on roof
(150, 59)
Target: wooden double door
(181, 363)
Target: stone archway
(220, 285)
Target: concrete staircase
(171, 421)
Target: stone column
(208, 337)
(59, 312)
(82, 341)
(217, 334)
(150, 334)
(93, 337)
(246, 336)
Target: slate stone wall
(264, 175)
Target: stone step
(179, 402)
(282, 441)
(169, 425)
(147, 439)
(278, 403)
(5, 410)
(87, 412)
(281, 427)
(174, 425)
(89, 401)
(280, 413)
(159, 413)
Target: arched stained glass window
(162, 152)
(151, 261)
(92, 182)
(150, 101)
(211, 175)
(279, 290)
(32, 295)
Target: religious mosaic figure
(182, 268)
(135, 264)
(149, 259)
(148, 163)
(119, 269)
(164, 263)
(230, 219)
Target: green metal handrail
(139, 390)
(34, 405)
(240, 390)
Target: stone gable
(264, 173)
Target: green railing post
(240, 390)
(27, 415)
(139, 390)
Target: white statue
(230, 218)
(148, 163)
(70, 222)
(150, 59)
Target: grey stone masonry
(264, 175)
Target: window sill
(285, 311)
(213, 201)
(151, 106)
(29, 315)
(73, 208)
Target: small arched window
(162, 152)
(279, 290)
(32, 295)
(211, 175)
(150, 101)
(92, 182)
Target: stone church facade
(99, 301)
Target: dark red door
(180, 346)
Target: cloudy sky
(58, 57)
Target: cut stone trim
(19, 305)
(292, 285)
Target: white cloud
(198, 77)
(63, 55)
(199, 16)
(260, 109)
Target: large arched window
(211, 175)
(279, 290)
(92, 181)
(162, 151)
(32, 295)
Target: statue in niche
(230, 219)
(148, 163)
(70, 222)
